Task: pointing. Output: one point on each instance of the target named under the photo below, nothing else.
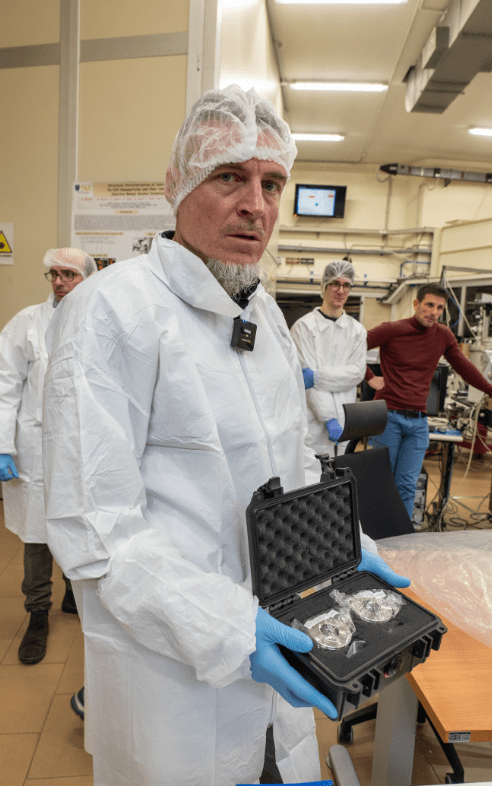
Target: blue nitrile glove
(375, 564)
(308, 378)
(269, 665)
(8, 470)
(334, 430)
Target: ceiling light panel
(342, 87)
(318, 137)
(480, 131)
(340, 2)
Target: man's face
(62, 286)
(336, 293)
(429, 310)
(231, 215)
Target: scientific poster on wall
(6, 244)
(116, 221)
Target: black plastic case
(300, 539)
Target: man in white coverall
(332, 349)
(157, 432)
(23, 362)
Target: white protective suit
(23, 363)
(336, 353)
(156, 434)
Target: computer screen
(320, 201)
(437, 391)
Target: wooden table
(455, 688)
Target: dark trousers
(270, 772)
(38, 569)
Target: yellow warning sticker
(4, 244)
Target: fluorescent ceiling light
(317, 137)
(340, 2)
(262, 86)
(350, 87)
(226, 4)
(480, 131)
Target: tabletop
(454, 685)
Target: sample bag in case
(302, 538)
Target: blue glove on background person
(375, 564)
(334, 430)
(308, 378)
(8, 470)
(269, 665)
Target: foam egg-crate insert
(301, 539)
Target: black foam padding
(300, 540)
(382, 639)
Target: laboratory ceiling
(394, 45)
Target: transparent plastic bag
(451, 571)
(377, 605)
(330, 630)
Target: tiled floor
(41, 739)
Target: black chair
(382, 515)
(381, 510)
(362, 419)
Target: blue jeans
(407, 440)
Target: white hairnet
(339, 268)
(71, 257)
(224, 127)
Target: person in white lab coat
(332, 349)
(159, 424)
(23, 362)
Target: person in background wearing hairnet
(162, 417)
(23, 362)
(332, 351)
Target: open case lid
(303, 537)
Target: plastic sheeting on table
(452, 571)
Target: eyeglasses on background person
(65, 275)
(338, 285)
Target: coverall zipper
(258, 412)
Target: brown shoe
(33, 646)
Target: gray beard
(233, 278)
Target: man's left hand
(375, 564)
(308, 376)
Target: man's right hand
(269, 665)
(8, 470)
(334, 429)
(376, 382)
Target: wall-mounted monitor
(320, 201)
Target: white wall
(373, 203)
(246, 52)
(411, 203)
(247, 59)
(129, 113)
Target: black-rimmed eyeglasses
(338, 285)
(65, 275)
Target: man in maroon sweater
(409, 353)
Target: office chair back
(382, 513)
(364, 419)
